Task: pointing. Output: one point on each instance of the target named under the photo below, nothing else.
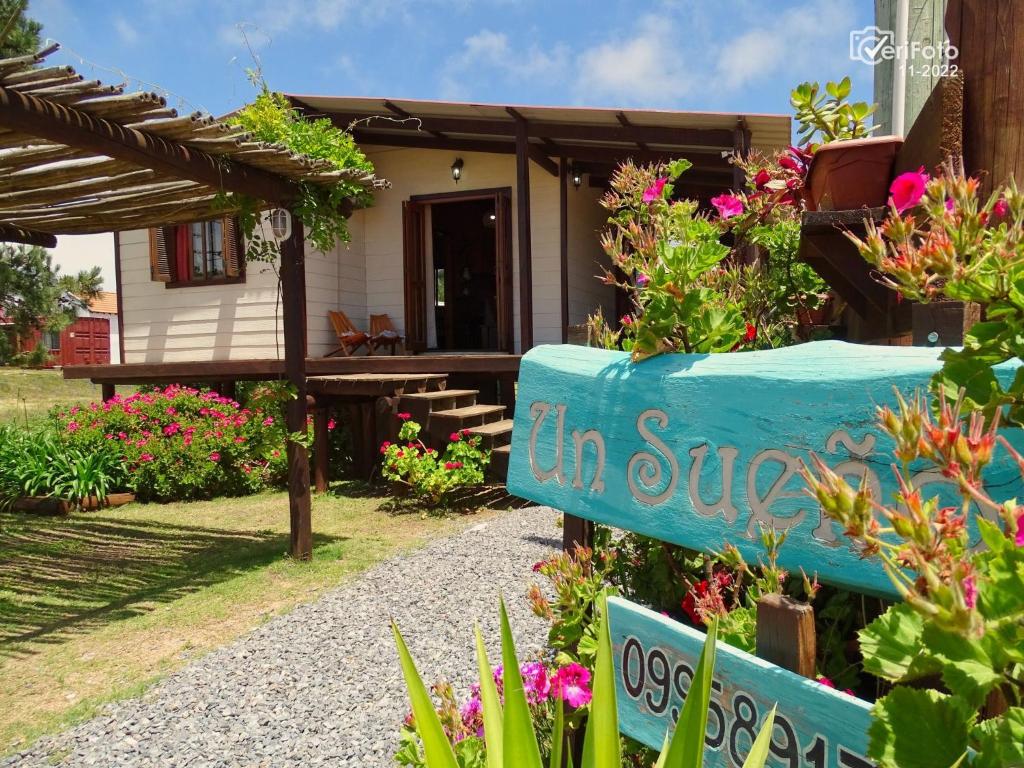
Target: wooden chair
(349, 337)
(383, 333)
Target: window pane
(214, 246)
(198, 260)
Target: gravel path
(321, 686)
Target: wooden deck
(215, 371)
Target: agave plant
(508, 730)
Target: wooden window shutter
(161, 254)
(233, 254)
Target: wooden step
(495, 433)
(455, 419)
(498, 468)
(420, 404)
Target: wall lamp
(457, 169)
(577, 176)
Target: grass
(96, 606)
(24, 392)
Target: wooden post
(576, 532)
(785, 634)
(293, 301)
(227, 389)
(943, 323)
(107, 391)
(563, 241)
(523, 231)
(321, 448)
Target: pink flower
(454, 437)
(109, 436)
(642, 280)
(214, 456)
(172, 429)
(727, 205)
(970, 592)
(405, 416)
(331, 424)
(72, 426)
(626, 320)
(570, 685)
(826, 682)
(269, 421)
(1019, 538)
(654, 191)
(950, 205)
(1001, 209)
(146, 457)
(536, 683)
(907, 189)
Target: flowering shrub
(430, 476)
(546, 687)
(963, 615)
(941, 240)
(180, 443)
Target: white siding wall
(586, 292)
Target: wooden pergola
(78, 156)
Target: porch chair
(383, 333)
(349, 337)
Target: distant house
(487, 239)
(93, 337)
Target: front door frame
(502, 198)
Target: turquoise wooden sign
(655, 658)
(701, 450)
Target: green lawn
(31, 393)
(95, 606)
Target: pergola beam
(396, 110)
(718, 138)
(12, 234)
(624, 122)
(74, 128)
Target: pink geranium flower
(727, 205)
(654, 191)
(907, 189)
(571, 685)
(214, 456)
(1001, 209)
(536, 683)
(1019, 538)
(970, 592)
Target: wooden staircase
(445, 411)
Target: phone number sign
(655, 658)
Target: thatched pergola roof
(78, 156)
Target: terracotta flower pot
(845, 175)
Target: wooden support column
(107, 391)
(321, 448)
(563, 240)
(785, 634)
(523, 232)
(576, 532)
(293, 301)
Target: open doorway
(458, 272)
(463, 235)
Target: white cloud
(491, 55)
(645, 68)
(128, 34)
(801, 38)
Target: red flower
(331, 424)
(751, 333)
(214, 456)
(404, 416)
(762, 178)
(654, 191)
(454, 437)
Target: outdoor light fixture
(577, 176)
(457, 170)
(280, 223)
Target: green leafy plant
(433, 478)
(323, 208)
(508, 728)
(664, 247)
(942, 241)
(828, 116)
(962, 619)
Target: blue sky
(724, 55)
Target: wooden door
(86, 342)
(503, 235)
(414, 269)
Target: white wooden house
(472, 248)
